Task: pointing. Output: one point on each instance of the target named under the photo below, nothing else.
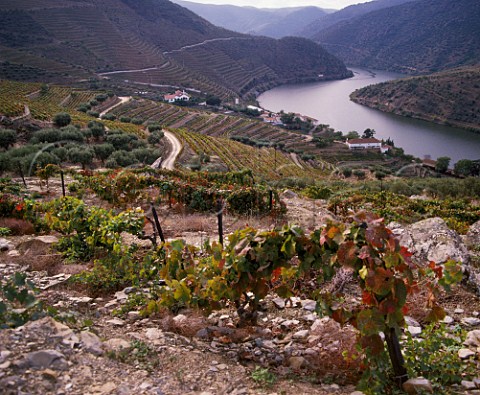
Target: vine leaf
(347, 253)
(380, 281)
(370, 322)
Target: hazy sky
(337, 4)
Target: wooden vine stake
(63, 183)
(396, 357)
(220, 220)
(157, 224)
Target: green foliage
(18, 303)
(62, 119)
(435, 356)
(317, 192)
(139, 354)
(121, 158)
(263, 377)
(90, 231)
(81, 154)
(5, 231)
(7, 138)
(442, 164)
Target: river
(329, 102)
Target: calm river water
(329, 102)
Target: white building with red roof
(177, 96)
(364, 143)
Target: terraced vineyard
(209, 123)
(44, 103)
(264, 162)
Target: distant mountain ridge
(271, 22)
(150, 41)
(353, 11)
(416, 37)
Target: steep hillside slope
(312, 29)
(449, 97)
(145, 41)
(416, 37)
(271, 22)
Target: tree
(7, 138)
(103, 151)
(368, 133)
(81, 155)
(442, 164)
(62, 119)
(155, 137)
(97, 129)
(464, 167)
(213, 100)
(352, 135)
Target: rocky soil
(109, 348)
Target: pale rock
(40, 245)
(415, 331)
(472, 238)
(13, 254)
(180, 320)
(431, 240)
(288, 194)
(83, 301)
(309, 305)
(310, 317)
(121, 296)
(279, 303)
(47, 359)
(116, 322)
(133, 315)
(465, 353)
(357, 393)
(473, 338)
(222, 366)
(459, 311)
(411, 321)
(112, 303)
(48, 325)
(5, 365)
(468, 385)
(472, 321)
(5, 245)
(301, 335)
(116, 344)
(91, 343)
(153, 334)
(448, 320)
(477, 382)
(289, 323)
(296, 363)
(417, 385)
(106, 388)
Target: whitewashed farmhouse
(177, 96)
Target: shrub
(109, 117)
(7, 138)
(62, 119)
(121, 158)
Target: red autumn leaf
(388, 306)
(438, 270)
(347, 253)
(368, 299)
(380, 281)
(276, 274)
(373, 343)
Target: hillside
(146, 41)
(449, 97)
(417, 37)
(271, 22)
(312, 29)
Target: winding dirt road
(169, 162)
(124, 99)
